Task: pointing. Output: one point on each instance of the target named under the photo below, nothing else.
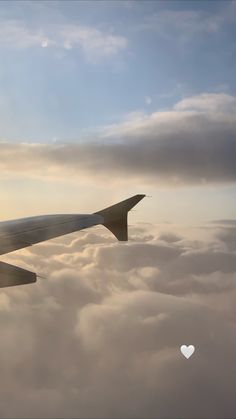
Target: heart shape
(187, 351)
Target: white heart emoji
(187, 351)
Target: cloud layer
(99, 335)
(94, 42)
(193, 143)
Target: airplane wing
(25, 232)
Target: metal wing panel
(17, 234)
(13, 275)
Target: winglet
(115, 217)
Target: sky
(92, 87)
(99, 101)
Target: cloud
(139, 254)
(100, 336)
(94, 43)
(208, 102)
(148, 100)
(228, 236)
(192, 143)
(149, 330)
(44, 43)
(169, 237)
(187, 25)
(14, 34)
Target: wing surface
(17, 234)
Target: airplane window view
(118, 209)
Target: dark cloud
(194, 143)
(228, 236)
(169, 237)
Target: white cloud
(192, 143)
(208, 102)
(95, 336)
(14, 34)
(44, 43)
(94, 43)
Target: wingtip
(139, 197)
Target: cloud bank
(192, 143)
(99, 336)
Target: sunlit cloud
(208, 102)
(106, 313)
(192, 143)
